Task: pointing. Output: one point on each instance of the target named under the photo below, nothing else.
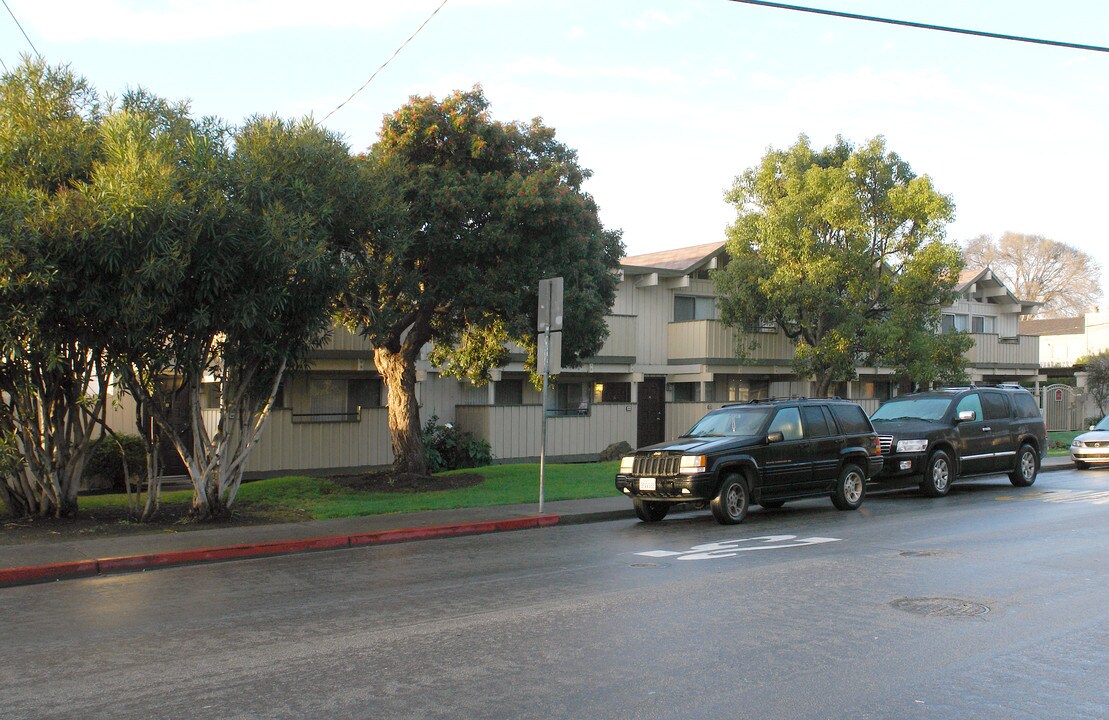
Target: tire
(1028, 465)
(729, 507)
(1078, 464)
(650, 510)
(937, 474)
(772, 504)
(850, 488)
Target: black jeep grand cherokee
(764, 451)
(936, 437)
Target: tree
(843, 249)
(468, 215)
(1066, 280)
(53, 368)
(1097, 381)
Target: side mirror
(775, 437)
(968, 416)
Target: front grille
(886, 443)
(656, 465)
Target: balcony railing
(712, 340)
(994, 351)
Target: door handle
(987, 429)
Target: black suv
(764, 451)
(938, 436)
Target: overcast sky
(665, 101)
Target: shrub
(106, 460)
(448, 448)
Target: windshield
(1103, 425)
(929, 408)
(737, 421)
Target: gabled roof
(680, 261)
(1054, 326)
(986, 285)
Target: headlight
(912, 446)
(626, 464)
(1076, 443)
(692, 464)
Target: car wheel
(772, 504)
(730, 504)
(850, 488)
(937, 475)
(1081, 465)
(1028, 464)
(650, 511)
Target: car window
(1103, 424)
(931, 408)
(815, 424)
(738, 422)
(995, 405)
(1025, 405)
(970, 402)
(788, 423)
(851, 419)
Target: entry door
(650, 422)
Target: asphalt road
(990, 603)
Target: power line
(924, 26)
(20, 30)
(395, 53)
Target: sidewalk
(48, 561)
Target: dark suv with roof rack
(940, 436)
(765, 451)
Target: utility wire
(924, 26)
(20, 30)
(395, 53)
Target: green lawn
(320, 498)
(1057, 438)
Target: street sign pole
(543, 443)
(550, 320)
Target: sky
(666, 101)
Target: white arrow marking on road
(731, 548)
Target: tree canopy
(468, 215)
(1066, 280)
(844, 250)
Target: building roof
(1054, 326)
(986, 285)
(677, 262)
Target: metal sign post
(550, 320)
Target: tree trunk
(823, 382)
(399, 374)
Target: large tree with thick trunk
(469, 215)
(843, 249)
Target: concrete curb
(132, 563)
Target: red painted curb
(86, 568)
(42, 573)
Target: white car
(1091, 448)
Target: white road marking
(731, 548)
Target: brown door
(652, 408)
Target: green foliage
(843, 249)
(448, 448)
(108, 455)
(1097, 381)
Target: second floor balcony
(711, 342)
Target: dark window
(686, 392)
(688, 307)
(851, 419)
(995, 405)
(1025, 406)
(613, 392)
(363, 394)
(815, 424)
(508, 392)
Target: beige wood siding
(988, 350)
(289, 446)
(621, 337)
(698, 340)
(515, 431)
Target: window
(995, 405)
(953, 323)
(330, 398)
(570, 398)
(970, 402)
(982, 324)
(815, 424)
(686, 392)
(788, 423)
(508, 392)
(851, 419)
(688, 307)
(613, 392)
(1025, 406)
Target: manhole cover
(941, 607)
